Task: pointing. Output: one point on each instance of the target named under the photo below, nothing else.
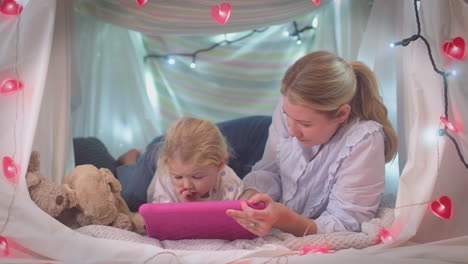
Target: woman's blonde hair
(194, 141)
(324, 82)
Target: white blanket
(368, 236)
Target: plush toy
(50, 197)
(87, 196)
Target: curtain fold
(432, 167)
(229, 81)
(191, 17)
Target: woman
(323, 169)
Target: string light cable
(443, 74)
(170, 56)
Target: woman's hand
(258, 221)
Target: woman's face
(309, 126)
(196, 180)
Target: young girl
(192, 165)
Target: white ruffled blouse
(340, 188)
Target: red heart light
(386, 236)
(9, 86)
(4, 250)
(454, 49)
(316, 2)
(10, 169)
(141, 3)
(310, 249)
(221, 13)
(443, 207)
(11, 7)
(449, 124)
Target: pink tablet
(194, 220)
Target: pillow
(90, 150)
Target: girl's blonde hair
(324, 82)
(194, 141)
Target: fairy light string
(4, 245)
(296, 33)
(443, 74)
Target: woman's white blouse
(227, 187)
(340, 188)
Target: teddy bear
(50, 197)
(87, 196)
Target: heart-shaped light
(455, 48)
(449, 124)
(386, 236)
(11, 8)
(316, 2)
(141, 3)
(443, 207)
(9, 86)
(4, 250)
(10, 169)
(221, 13)
(310, 249)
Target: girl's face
(309, 126)
(196, 180)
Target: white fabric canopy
(192, 17)
(432, 167)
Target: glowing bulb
(443, 207)
(299, 42)
(310, 249)
(392, 45)
(315, 22)
(430, 136)
(385, 236)
(193, 65)
(285, 33)
(4, 251)
(171, 61)
(454, 72)
(10, 169)
(141, 3)
(449, 124)
(9, 86)
(11, 8)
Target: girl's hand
(260, 221)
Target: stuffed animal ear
(109, 178)
(71, 195)
(32, 179)
(34, 162)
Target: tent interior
(122, 73)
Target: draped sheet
(192, 17)
(230, 81)
(431, 169)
